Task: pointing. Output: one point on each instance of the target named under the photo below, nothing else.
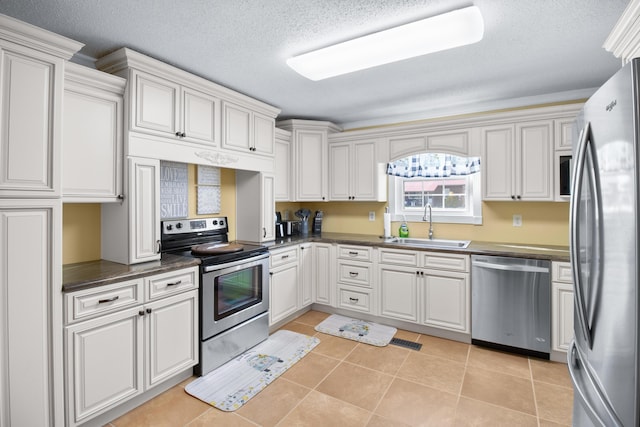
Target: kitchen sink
(429, 243)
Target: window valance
(433, 165)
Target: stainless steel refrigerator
(604, 357)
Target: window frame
(472, 215)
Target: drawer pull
(353, 253)
(353, 274)
(174, 283)
(106, 300)
(285, 256)
(353, 300)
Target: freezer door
(604, 234)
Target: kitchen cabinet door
(263, 134)
(30, 313)
(498, 162)
(306, 275)
(398, 292)
(200, 117)
(104, 363)
(340, 172)
(30, 121)
(562, 316)
(445, 300)
(247, 131)
(323, 283)
(283, 292)
(131, 229)
(311, 165)
(92, 136)
(171, 336)
(283, 165)
(157, 105)
(534, 144)
(354, 173)
(255, 206)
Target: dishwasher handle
(510, 267)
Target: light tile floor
(345, 383)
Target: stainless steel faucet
(424, 218)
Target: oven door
(232, 293)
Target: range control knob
(169, 227)
(215, 222)
(221, 222)
(179, 225)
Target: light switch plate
(517, 220)
(372, 216)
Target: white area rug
(234, 383)
(357, 330)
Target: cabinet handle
(271, 273)
(518, 197)
(353, 300)
(181, 134)
(353, 253)
(158, 246)
(264, 232)
(121, 197)
(353, 274)
(106, 300)
(285, 256)
(141, 312)
(149, 311)
(174, 283)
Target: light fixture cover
(457, 28)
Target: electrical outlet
(372, 216)
(517, 220)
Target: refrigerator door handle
(582, 379)
(581, 309)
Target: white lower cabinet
(323, 283)
(431, 288)
(283, 283)
(123, 339)
(306, 275)
(356, 285)
(561, 306)
(398, 292)
(446, 300)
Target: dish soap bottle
(404, 230)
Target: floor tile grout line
(533, 389)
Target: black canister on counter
(317, 223)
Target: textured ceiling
(532, 51)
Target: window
(450, 184)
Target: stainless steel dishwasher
(511, 304)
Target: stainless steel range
(234, 287)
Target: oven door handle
(216, 267)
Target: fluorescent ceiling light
(441, 32)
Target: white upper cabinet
(247, 131)
(283, 166)
(168, 109)
(255, 206)
(310, 158)
(92, 135)
(517, 161)
(31, 109)
(354, 173)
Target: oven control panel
(181, 226)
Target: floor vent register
(406, 344)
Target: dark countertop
(90, 274)
(548, 252)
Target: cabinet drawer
(284, 256)
(354, 299)
(398, 257)
(101, 300)
(358, 253)
(561, 272)
(173, 282)
(354, 273)
(443, 261)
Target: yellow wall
(81, 221)
(542, 223)
(80, 232)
